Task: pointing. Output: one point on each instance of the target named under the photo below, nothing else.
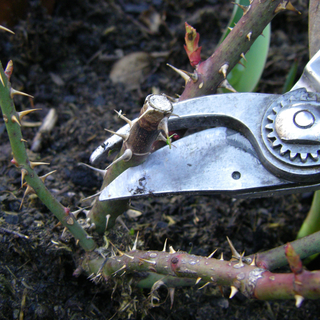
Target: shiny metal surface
(112, 143)
(213, 161)
(310, 79)
(296, 144)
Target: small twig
(4, 230)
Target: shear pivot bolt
(304, 119)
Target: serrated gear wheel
(298, 151)
(293, 150)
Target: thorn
(245, 9)
(23, 140)
(285, 5)
(1, 79)
(198, 280)
(90, 197)
(25, 112)
(224, 69)
(243, 56)
(235, 253)
(123, 117)
(240, 264)
(171, 294)
(24, 172)
(226, 85)
(135, 242)
(9, 69)
(92, 227)
(249, 35)
(107, 220)
(148, 261)
(90, 276)
(34, 164)
(14, 92)
(87, 213)
(146, 112)
(123, 267)
(171, 250)
(239, 62)
(119, 251)
(123, 136)
(194, 76)
(165, 246)
(221, 258)
(102, 172)
(75, 213)
(126, 156)
(130, 257)
(211, 254)
(290, 7)
(27, 191)
(204, 285)
(253, 263)
(299, 300)
(14, 119)
(280, 7)
(6, 29)
(230, 28)
(182, 73)
(233, 292)
(163, 125)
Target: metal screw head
(304, 119)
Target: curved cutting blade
(212, 161)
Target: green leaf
(290, 77)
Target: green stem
(21, 160)
(275, 258)
(177, 269)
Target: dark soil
(64, 59)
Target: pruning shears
(244, 145)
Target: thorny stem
(21, 160)
(177, 269)
(143, 133)
(210, 73)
